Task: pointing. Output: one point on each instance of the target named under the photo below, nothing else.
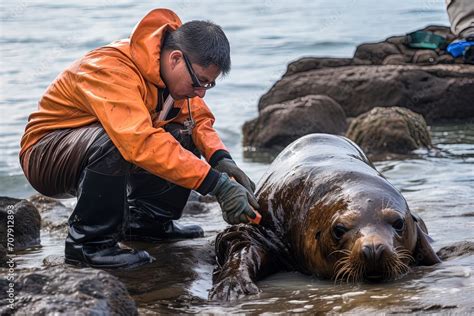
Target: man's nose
(200, 92)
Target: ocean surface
(40, 38)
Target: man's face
(179, 80)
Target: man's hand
(230, 167)
(236, 201)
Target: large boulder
(3, 256)
(280, 124)
(199, 204)
(458, 249)
(438, 92)
(54, 214)
(392, 51)
(392, 130)
(311, 63)
(65, 290)
(20, 224)
(429, 82)
(397, 46)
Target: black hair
(203, 42)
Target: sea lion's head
(368, 235)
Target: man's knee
(104, 157)
(55, 164)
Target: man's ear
(174, 58)
(424, 254)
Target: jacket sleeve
(115, 96)
(205, 136)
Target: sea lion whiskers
(350, 268)
(345, 267)
(342, 267)
(403, 253)
(341, 275)
(341, 263)
(394, 266)
(360, 272)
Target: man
(123, 129)
(461, 18)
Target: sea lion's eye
(398, 225)
(318, 235)
(338, 231)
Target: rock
(389, 73)
(53, 261)
(54, 214)
(376, 52)
(3, 256)
(438, 92)
(64, 290)
(425, 56)
(198, 204)
(380, 53)
(310, 63)
(389, 130)
(206, 199)
(196, 207)
(397, 59)
(280, 124)
(22, 230)
(461, 248)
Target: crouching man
(123, 129)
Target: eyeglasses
(196, 83)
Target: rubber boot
(469, 55)
(97, 224)
(144, 231)
(155, 203)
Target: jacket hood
(146, 40)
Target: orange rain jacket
(118, 84)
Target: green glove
(230, 167)
(236, 201)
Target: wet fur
(315, 183)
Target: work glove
(230, 167)
(236, 201)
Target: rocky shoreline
(382, 98)
(55, 287)
(321, 95)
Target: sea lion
(326, 211)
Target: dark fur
(327, 212)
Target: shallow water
(264, 36)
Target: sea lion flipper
(243, 258)
(233, 286)
(424, 254)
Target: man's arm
(209, 143)
(205, 137)
(114, 96)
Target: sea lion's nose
(373, 252)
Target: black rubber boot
(469, 55)
(155, 202)
(97, 224)
(145, 231)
